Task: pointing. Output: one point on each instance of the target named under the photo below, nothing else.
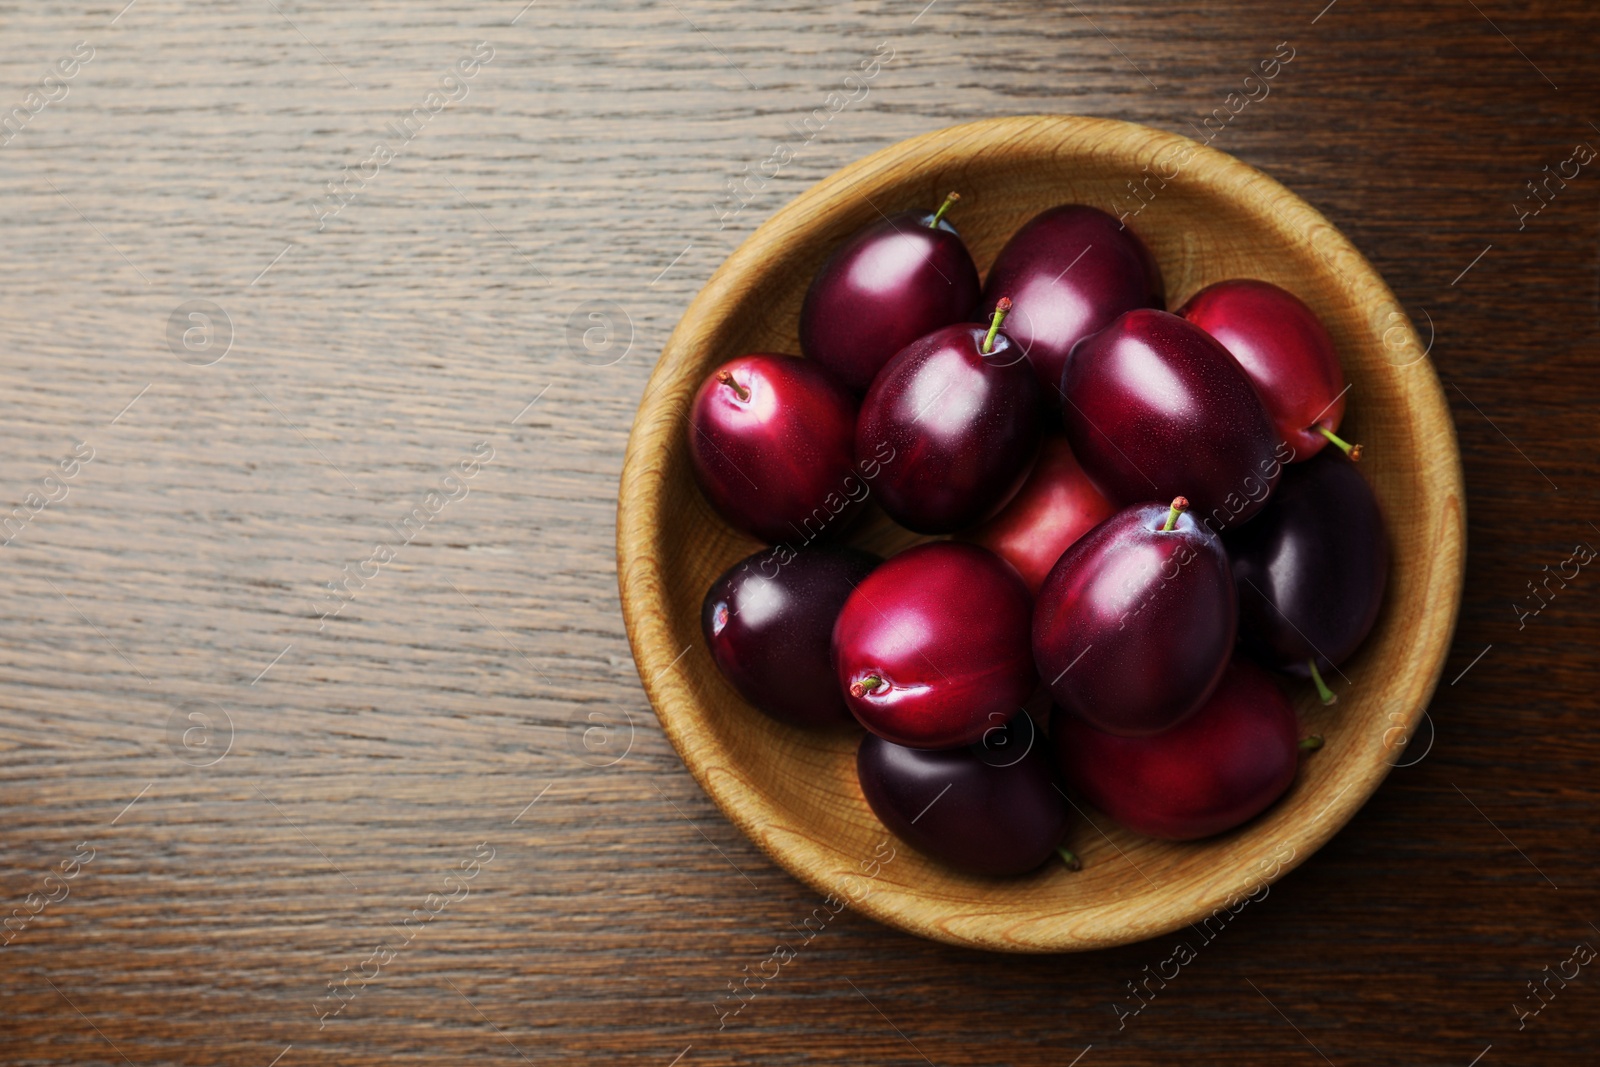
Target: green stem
(1070, 858)
(1353, 451)
(1000, 310)
(866, 685)
(1180, 504)
(1322, 687)
(937, 215)
(1310, 744)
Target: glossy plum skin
(1221, 768)
(1155, 407)
(1286, 351)
(1311, 569)
(1056, 505)
(1069, 272)
(768, 622)
(1134, 625)
(1001, 814)
(771, 446)
(889, 284)
(963, 424)
(944, 628)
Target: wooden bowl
(1206, 217)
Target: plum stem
(726, 378)
(1000, 310)
(1180, 504)
(1070, 858)
(1310, 744)
(1353, 451)
(866, 685)
(1322, 687)
(937, 215)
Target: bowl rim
(676, 375)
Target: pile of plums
(1145, 514)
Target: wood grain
(488, 660)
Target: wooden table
(318, 748)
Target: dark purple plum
(899, 278)
(771, 440)
(1135, 624)
(991, 808)
(931, 650)
(1223, 766)
(1154, 407)
(1311, 569)
(961, 411)
(1069, 272)
(769, 624)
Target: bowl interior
(1206, 217)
